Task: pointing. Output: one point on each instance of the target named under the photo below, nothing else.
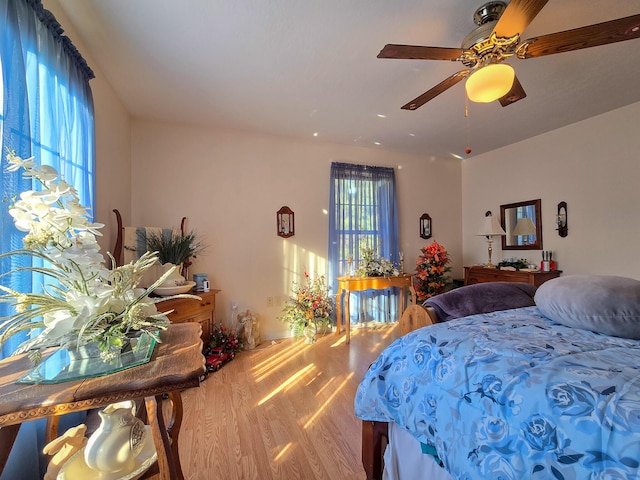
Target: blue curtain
(363, 213)
(47, 112)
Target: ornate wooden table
(356, 284)
(177, 364)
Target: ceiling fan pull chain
(466, 114)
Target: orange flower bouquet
(431, 268)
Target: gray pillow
(600, 303)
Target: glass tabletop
(65, 365)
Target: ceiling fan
(497, 38)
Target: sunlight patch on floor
(264, 369)
(282, 452)
(320, 410)
(290, 382)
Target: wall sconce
(561, 219)
(425, 226)
(285, 222)
(490, 228)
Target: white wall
(592, 165)
(230, 184)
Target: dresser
(190, 310)
(478, 274)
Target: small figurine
(62, 448)
(251, 335)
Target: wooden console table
(356, 284)
(177, 364)
(481, 274)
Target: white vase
(114, 446)
(173, 280)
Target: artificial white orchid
(82, 301)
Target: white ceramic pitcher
(114, 446)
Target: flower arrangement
(372, 265)
(309, 306)
(225, 338)
(431, 267)
(82, 301)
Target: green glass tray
(63, 366)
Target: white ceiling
(299, 68)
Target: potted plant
(431, 268)
(309, 308)
(173, 250)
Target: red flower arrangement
(431, 268)
(226, 339)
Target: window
(47, 113)
(363, 214)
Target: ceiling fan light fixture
(490, 83)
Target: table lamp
(490, 228)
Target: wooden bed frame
(375, 435)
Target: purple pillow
(481, 298)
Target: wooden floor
(282, 411)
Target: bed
(532, 384)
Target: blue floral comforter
(513, 395)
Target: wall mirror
(425, 226)
(523, 225)
(561, 219)
(285, 222)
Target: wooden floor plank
(282, 411)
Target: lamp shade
(490, 83)
(491, 227)
(524, 227)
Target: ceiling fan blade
(517, 17)
(419, 53)
(604, 33)
(437, 90)
(516, 93)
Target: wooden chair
(118, 249)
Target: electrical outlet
(269, 301)
(277, 301)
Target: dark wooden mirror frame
(425, 226)
(537, 244)
(561, 219)
(285, 222)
